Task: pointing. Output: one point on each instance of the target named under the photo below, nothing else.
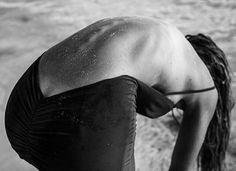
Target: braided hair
(212, 154)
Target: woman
(75, 107)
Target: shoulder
(184, 70)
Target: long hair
(212, 154)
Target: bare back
(150, 50)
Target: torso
(152, 51)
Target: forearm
(189, 141)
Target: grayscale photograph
(117, 85)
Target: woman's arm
(198, 113)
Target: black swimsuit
(90, 128)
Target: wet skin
(152, 51)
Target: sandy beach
(30, 27)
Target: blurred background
(30, 27)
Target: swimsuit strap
(186, 92)
(191, 91)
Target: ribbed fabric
(91, 128)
